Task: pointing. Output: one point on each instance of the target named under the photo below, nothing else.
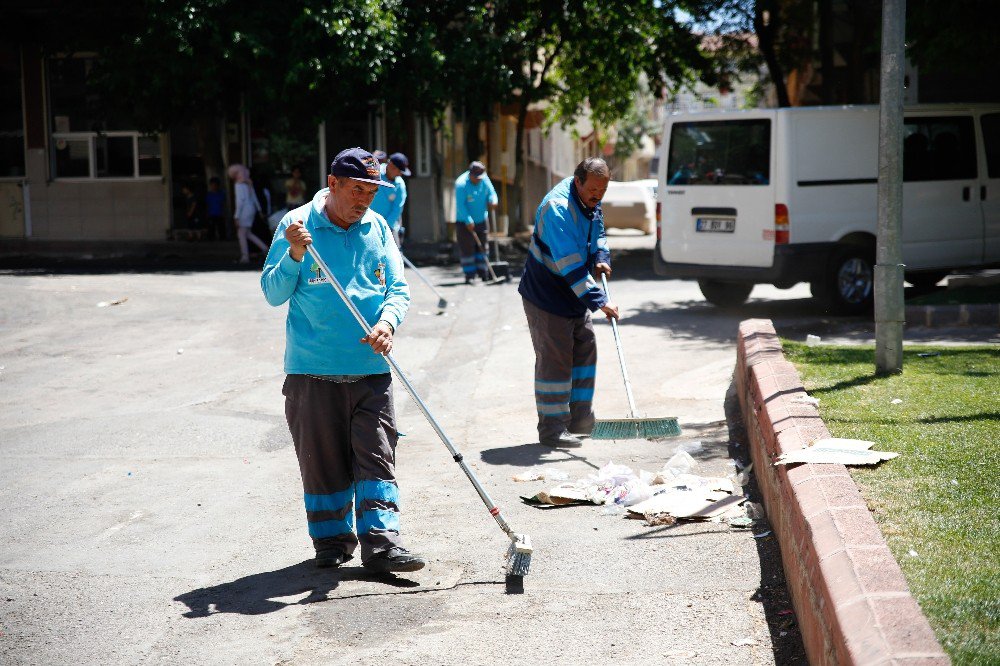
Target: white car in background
(630, 205)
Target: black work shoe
(565, 440)
(469, 279)
(393, 560)
(331, 557)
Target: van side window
(939, 148)
(733, 152)
(990, 123)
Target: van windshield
(726, 152)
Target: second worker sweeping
(474, 196)
(559, 292)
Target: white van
(782, 196)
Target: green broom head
(519, 555)
(636, 429)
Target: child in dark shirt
(215, 205)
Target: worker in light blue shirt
(389, 202)
(474, 197)
(338, 390)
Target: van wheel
(849, 284)
(725, 294)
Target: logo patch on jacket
(380, 273)
(319, 278)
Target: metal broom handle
(621, 354)
(459, 458)
(419, 275)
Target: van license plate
(720, 224)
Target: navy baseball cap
(401, 162)
(357, 164)
(477, 168)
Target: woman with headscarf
(247, 208)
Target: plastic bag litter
(689, 447)
(813, 340)
(755, 510)
(614, 485)
(740, 475)
(680, 463)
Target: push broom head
(519, 555)
(636, 429)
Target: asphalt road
(150, 505)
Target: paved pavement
(151, 503)
(152, 511)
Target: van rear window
(727, 152)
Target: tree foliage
(191, 61)
(953, 36)
(585, 55)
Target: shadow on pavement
(261, 593)
(529, 455)
(772, 593)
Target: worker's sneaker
(564, 440)
(331, 557)
(469, 279)
(394, 560)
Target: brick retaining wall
(851, 600)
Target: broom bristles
(636, 429)
(519, 556)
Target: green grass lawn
(938, 503)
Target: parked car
(630, 205)
(782, 196)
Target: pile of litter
(661, 498)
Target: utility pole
(889, 247)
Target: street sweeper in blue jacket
(558, 290)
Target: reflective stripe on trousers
(565, 371)
(472, 259)
(345, 442)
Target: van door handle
(965, 193)
(982, 193)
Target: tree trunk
(210, 147)
(518, 222)
(765, 40)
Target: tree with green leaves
(584, 56)
(195, 61)
(168, 62)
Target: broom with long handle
(519, 552)
(634, 427)
(442, 303)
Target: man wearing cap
(338, 389)
(389, 202)
(559, 292)
(474, 196)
